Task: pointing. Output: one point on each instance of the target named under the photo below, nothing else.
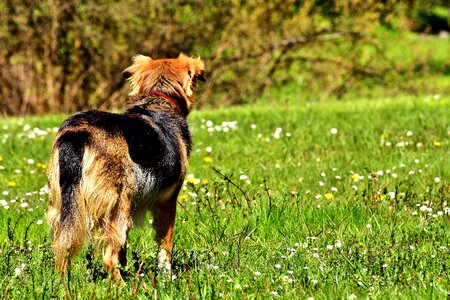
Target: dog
(107, 170)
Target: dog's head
(175, 77)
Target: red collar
(165, 97)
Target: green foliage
(63, 56)
(323, 200)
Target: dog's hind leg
(116, 238)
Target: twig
(136, 286)
(226, 178)
(191, 289)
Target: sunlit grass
(332, 200)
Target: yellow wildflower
(43, 166)
(190, 178)
(207, 159)
(205, 182)
(329, 196)
(182, 197)
(12, 183)
(1, 158)
(437, 144)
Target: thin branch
(228, 179)
(288, 43)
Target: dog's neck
(147, 100)
(159, 94)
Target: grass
(324, 200)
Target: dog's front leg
(163, 223)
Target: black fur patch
(151, 137)
(71, 148)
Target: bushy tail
(66, 214)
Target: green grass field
(326, 200)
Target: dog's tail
(66, 214)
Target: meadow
(341, 199)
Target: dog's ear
(197, 66)
(138, 61)
(192, 69)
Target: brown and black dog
(107, 170)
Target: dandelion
(207, 159)
(357, 177)
(437, 144)
(329, 196)
(190, 178)
(1, 158)
(11, 184)
(333, 131)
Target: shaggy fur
(107, 170)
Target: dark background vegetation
(62, 56)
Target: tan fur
(180, 71)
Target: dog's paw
(162, 260)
